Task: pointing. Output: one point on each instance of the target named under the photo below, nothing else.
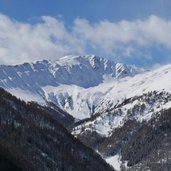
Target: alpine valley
(120, 111)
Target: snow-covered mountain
(140, 96)
(82, 85)
(72, 82)
(116, 105)
(127, 111)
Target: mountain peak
(84, 71)
(42, 80)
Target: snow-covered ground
(159, 80)
(113, 112)
(115, 161)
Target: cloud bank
(51, 38)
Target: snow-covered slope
(155, 80)
(74, 83)
(147, 93)
(83, 102)
(127, 102)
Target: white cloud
(50, 38)
(20, 42)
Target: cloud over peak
(51, 38)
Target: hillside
(31, 139)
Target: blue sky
(81, 20)
(93, 10)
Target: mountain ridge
(32, 81)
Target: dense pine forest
(31, 139)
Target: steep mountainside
(31, 139)
(125, 115)
(134, 134)
(65, 82)
(84, 102)
(121, 111)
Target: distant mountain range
(67, 82)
